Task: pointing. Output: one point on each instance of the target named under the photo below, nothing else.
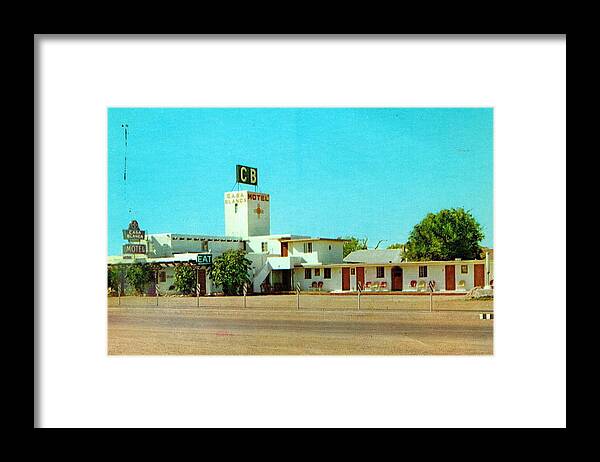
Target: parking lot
(323, 325)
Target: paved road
(159, 331)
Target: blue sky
(330, 171)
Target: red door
(396, 278)
(202, 282)
(479, 278)
(450, 277)
(284, 249)
(345, 278)
(360, 277)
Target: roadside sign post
(197, 290)
(431, 288)
(245, 289)
(156, 285)
(358, 286)
(204, 260)
(298, 296)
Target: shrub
(185, 279)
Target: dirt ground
(324, 325)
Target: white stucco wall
(246, 221)
(437, 272)
(254, 244)
(218, 247)
(321, 253)
(371, 275)
(329, 285)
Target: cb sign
(246, 175)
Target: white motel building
(282, 262)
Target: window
(380, 272)
(317, 272)
(307, 247)
(422, 271)
(327, 273)
(264, 247)
(352, 271)
(307, 274)
(464, 269)
(162, 276)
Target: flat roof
(197, 237)
(404, 263)
(317, 239)
(286, 237)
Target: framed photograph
(275, 227)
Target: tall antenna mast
(125, 128)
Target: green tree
(138, 275)
(185, 279)
(446, 235)
(115, 275)
(230, 271)
(352, 243)
(396, 245)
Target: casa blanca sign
(133, 232)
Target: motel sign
(204, 259)
(246, 175)
(134, 248)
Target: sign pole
(358, 295)
(431, 286)
(245, 290)
(156, 285)
(197, 290)
(297, 296)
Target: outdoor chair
(375, 286)
(368, 285)
(413, 284)
(383, 285)
(461, 284)
(320, 285)
(314, 285)
(421, 286)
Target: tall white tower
(247, 214)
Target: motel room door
(450, 277)
(284, 249)
(396, 278)
(202, 281)
(345, 278)
(479, 277)
(360, 277)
